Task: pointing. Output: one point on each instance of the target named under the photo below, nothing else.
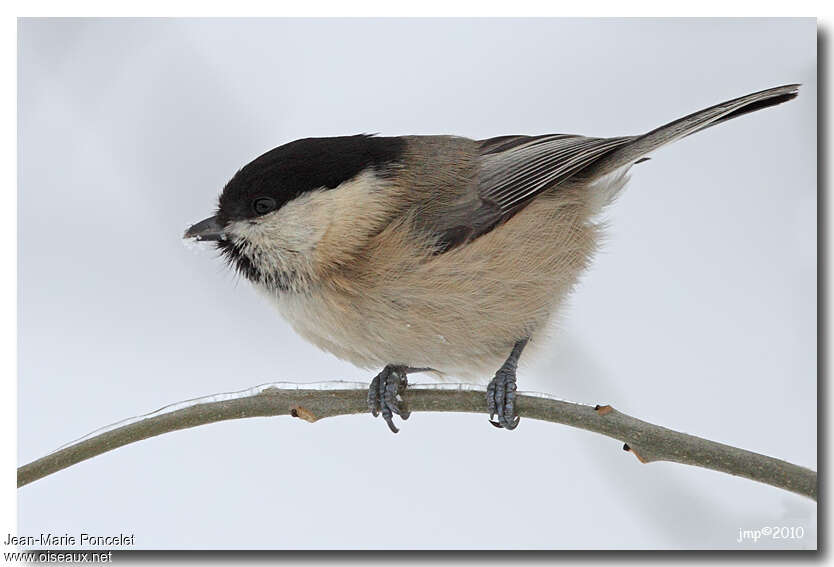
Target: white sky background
(699, 314)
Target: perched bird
(431, 252)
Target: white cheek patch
(280, 244)
(291, 229)
(285, 241)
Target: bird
(432, 253)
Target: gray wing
(511, 172)
(515, 169)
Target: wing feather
(514, 169)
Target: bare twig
(648, 442)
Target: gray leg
(501, 390)
(385, 391)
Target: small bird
(440, 253)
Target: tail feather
(633, 151)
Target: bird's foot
(501, 391)
(501, 399)
(385, 394)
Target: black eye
(263, 205)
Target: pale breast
(459, 312)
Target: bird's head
(274, 212)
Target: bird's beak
(208, 229)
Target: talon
(391, 425)
(501, 391)
(385, 395)
(501, 400)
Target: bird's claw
(501, 398)
(385, 395)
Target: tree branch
(312, 402)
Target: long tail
(636, 149)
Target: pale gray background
(699, 314)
